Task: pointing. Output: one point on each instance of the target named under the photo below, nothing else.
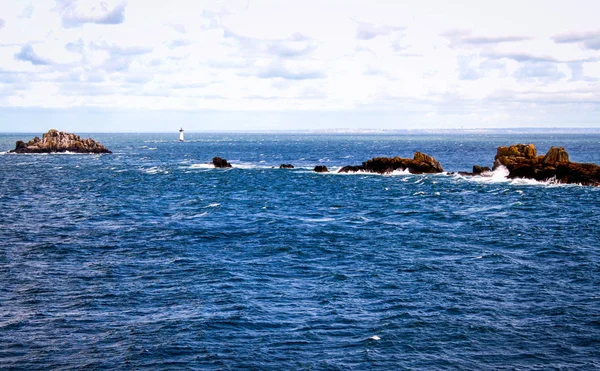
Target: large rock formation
(220, 162)
(522, 161)
(321, 169)
(58, 141)
(419, 164)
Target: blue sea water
(150, 259)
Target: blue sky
(149, 65)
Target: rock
(57, 141)
(426, 164)
(220, 162)
(555, 155)
(478, 170)
(522, 162)
(419, 164)
(321, 169)
(286, 166)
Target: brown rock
(522, 162)
(555, 155)
(478, 170)
(286, 166)
(58, 141)
(321, 169)
(419, 164)
(220, 162)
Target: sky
(247, 65)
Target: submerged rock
(57, 141)
(220, 162)
(522, 161)
(286, 166)
(419, 164)
(321, 169)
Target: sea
(150, 258)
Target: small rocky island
(419, 164)
(220, 163)
(522, 161)
(57, 141)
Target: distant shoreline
(556, 130)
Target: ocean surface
(150, 259)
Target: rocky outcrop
(57, 141)
(477, 170)
(286, 166)
(419, 164)
(321, 169)
(220, 162)
(522, 161)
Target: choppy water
(148, 259)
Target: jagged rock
(321, 169)
(58, 141)
(555, 155)
(419, 164)
(522, 162)
(286, 166)
(220, 162)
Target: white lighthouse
(181, 135)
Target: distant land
(448, 131)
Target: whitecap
(155, 170)
(375, 337)
(213, 205)
(202, 166)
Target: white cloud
(259, 55)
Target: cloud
(520, 57)
(536, 71)
(277, 70)
(464, 38)
(294, 46)
(119, 57)
(27, 11)
(285, 50)
(590, 40)
(367, 31)
(466, 71)
(116, 50)
(2, 23)
(525, 57)
(178, 43)
(75, 14)
(27, 54)
(577, 73)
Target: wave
(155, 170)
(242, 165)
(202, 166)
(500, 175)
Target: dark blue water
(148, 259)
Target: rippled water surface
(149, 259)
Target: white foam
(399, 172)
(202, 166)
(375, 337)
(213, 205)
(155, 170)
(500, 175)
